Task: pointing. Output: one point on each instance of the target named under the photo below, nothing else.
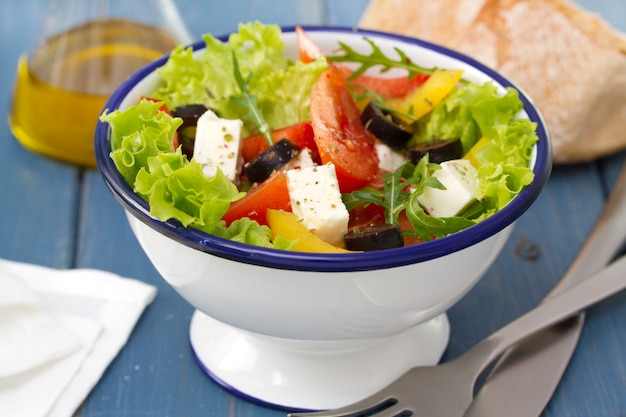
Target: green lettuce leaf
(137, 134)
(249, 231)
(475, 111)
(282, 87)
(141, 136)
(175, 188)
(179, 190)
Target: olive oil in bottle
(62, 87)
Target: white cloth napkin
(59, 330)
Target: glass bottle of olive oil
(62, 86)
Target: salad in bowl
(321, 196)
(316, 153)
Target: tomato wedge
(366, 215)
(339, 133)
(271, 193)
(394, 87)
(308, 50)
(301, 134)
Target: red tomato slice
(364, 216)
(387, 87)
(406, 225)
(307, 49)
(301, 134)
(339, 133)
(271, 193)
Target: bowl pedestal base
(302, 375)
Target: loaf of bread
(570, 62)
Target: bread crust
(569, 61)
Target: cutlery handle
(597, 287)
(603, 242)
(533, 370)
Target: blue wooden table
(57, 215)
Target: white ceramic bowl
(304, 331)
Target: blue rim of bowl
(325, 262)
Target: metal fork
(446, 390)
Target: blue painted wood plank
(158, 344)
(557, 225)
(345, 12)
(541, 247)
(38, 209)
(512, 286)
(156, 375)
(612, 11)
(599, 359)
(610, 167)
(106, 242)
(223, 17)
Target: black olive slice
(385, 126)
(187, 130)
(438, 151)
(375, 237)
(259, 168)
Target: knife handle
(603, 242)
(533, 368)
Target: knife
(524, 379)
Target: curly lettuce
(174, 187)
(141, 136)
(281, 86)
(478, 111)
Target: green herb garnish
(400, 192)
(378, 58)
(428, 227)
(398, 188)
(250, 102)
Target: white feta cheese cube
(460, 179)
(316, 200)
(217, 144)
(303, 160)
(389, 159)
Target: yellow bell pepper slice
(288, 226)
(471, 154)
(422, 100)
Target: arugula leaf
(400, 192)
(398, 188)
(428, 227)
(378, 58)
(391, 197)
(249, 101)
